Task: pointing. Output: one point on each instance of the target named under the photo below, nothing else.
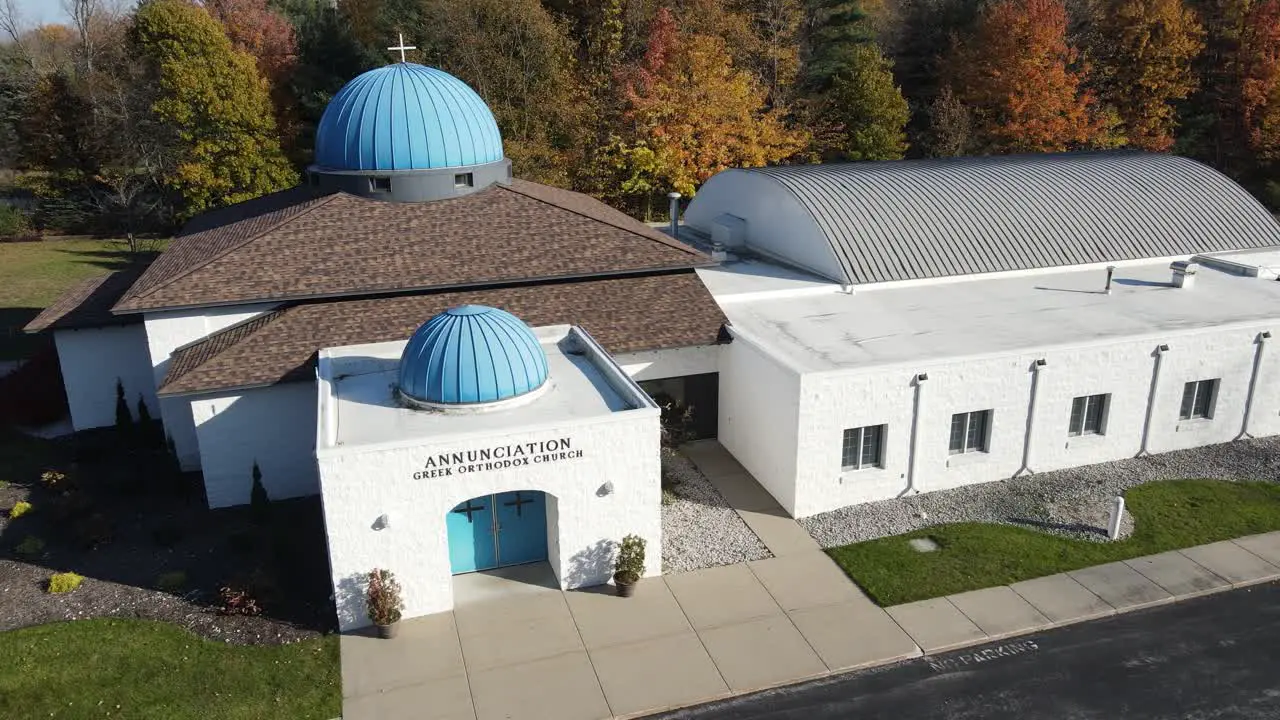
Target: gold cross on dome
(402, 47)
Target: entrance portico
(431, 492)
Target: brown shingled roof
(626, 314)
(88, 303)
(292, 245)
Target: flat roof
(751, 278)
(920, 322)
(361, 407)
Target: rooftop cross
(402, 47)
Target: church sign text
(500, 457)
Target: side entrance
(496, 530)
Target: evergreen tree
(838, 28)
(124, 421)
(228, 150)
(864, 110)
(259, 502)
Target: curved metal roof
(933, 218)
(406, 117)
(471, 354)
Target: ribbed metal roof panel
(957, 216)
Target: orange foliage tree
(1258, 68)
(255, 28)
(688, 113)
(1144, 51)
(1017, 74)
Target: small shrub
(172, 582)
(668, 497)
(14, 222)
(70, 507)
(53, 479)
(232, 601)
(4, 484)
(630, 565)
(30, 547)
(19, 509)
(60, 583)
(384, 602)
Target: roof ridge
(663, 240)
(326, 199)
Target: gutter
(918, 381)
(1261, 342)
(1151, 399)
(1036, 368)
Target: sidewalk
(517, 647)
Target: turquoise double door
(496, 530)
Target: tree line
(131, 121)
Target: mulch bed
(124, 518)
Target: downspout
(1151, 399)
(1036, 367)
(1263, 337)
(918, 381)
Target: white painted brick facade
(583, 523)
(92, 360)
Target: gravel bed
(699, 529)
(1074, 502)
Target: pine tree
(864, 111)
(213, 94)
(259, 502)
(1017, 74)
(124, 420)
(1144, 51)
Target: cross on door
(519, 504)
(468, 509)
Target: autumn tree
(1017, 73)
(688, 114)
(863, 114)
(227, 148)
(949, 126)
(1258, 79)
(1143, 52)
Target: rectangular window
(1087, 415)
(969, 432)
(380, 184)
(1197, 399)
(862, 448)
(462, 180)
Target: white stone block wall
(92, 360)
(833, 401)
(272, 426)
(584, 524)
(759, 409)
(171, 329)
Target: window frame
(983, 440)
(1101, 401)
(858, 436)
(1199, 399)
(464, 180)
(375, 182)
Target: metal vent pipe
(675, 214)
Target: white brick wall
(360, 485)
(92, 360)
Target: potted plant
(384, 602)
(630, 566)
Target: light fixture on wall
(382, 523)
(605, 489)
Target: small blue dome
(472, 354)
(406, 117)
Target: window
(1087, 414)
(462, 180)
(1197, 399)
(863, 448)
(380, 184)
(969, 431)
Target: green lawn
(142, 669)
(34, 274)
(1168, 515)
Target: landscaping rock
(699, 529)
(1075, 502)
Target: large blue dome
(406, 117)
(471, 354)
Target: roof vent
(1184, 274)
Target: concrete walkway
(517, 647)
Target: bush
(60, 583)
(237, 602)
(668, 497)
(383, 597)
(30, 547)
(53, 479)
(14, 222)
(630, 566)
(19, 509)
(172, 582)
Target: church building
(463, 364)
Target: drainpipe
(1151, 399)
(1261, 342)
(675, 214)
(1036, 368)
(918, 381)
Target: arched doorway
(493, 531)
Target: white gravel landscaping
(1074, 502)
(699, 529)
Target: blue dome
(471, 354)
(406, 117)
